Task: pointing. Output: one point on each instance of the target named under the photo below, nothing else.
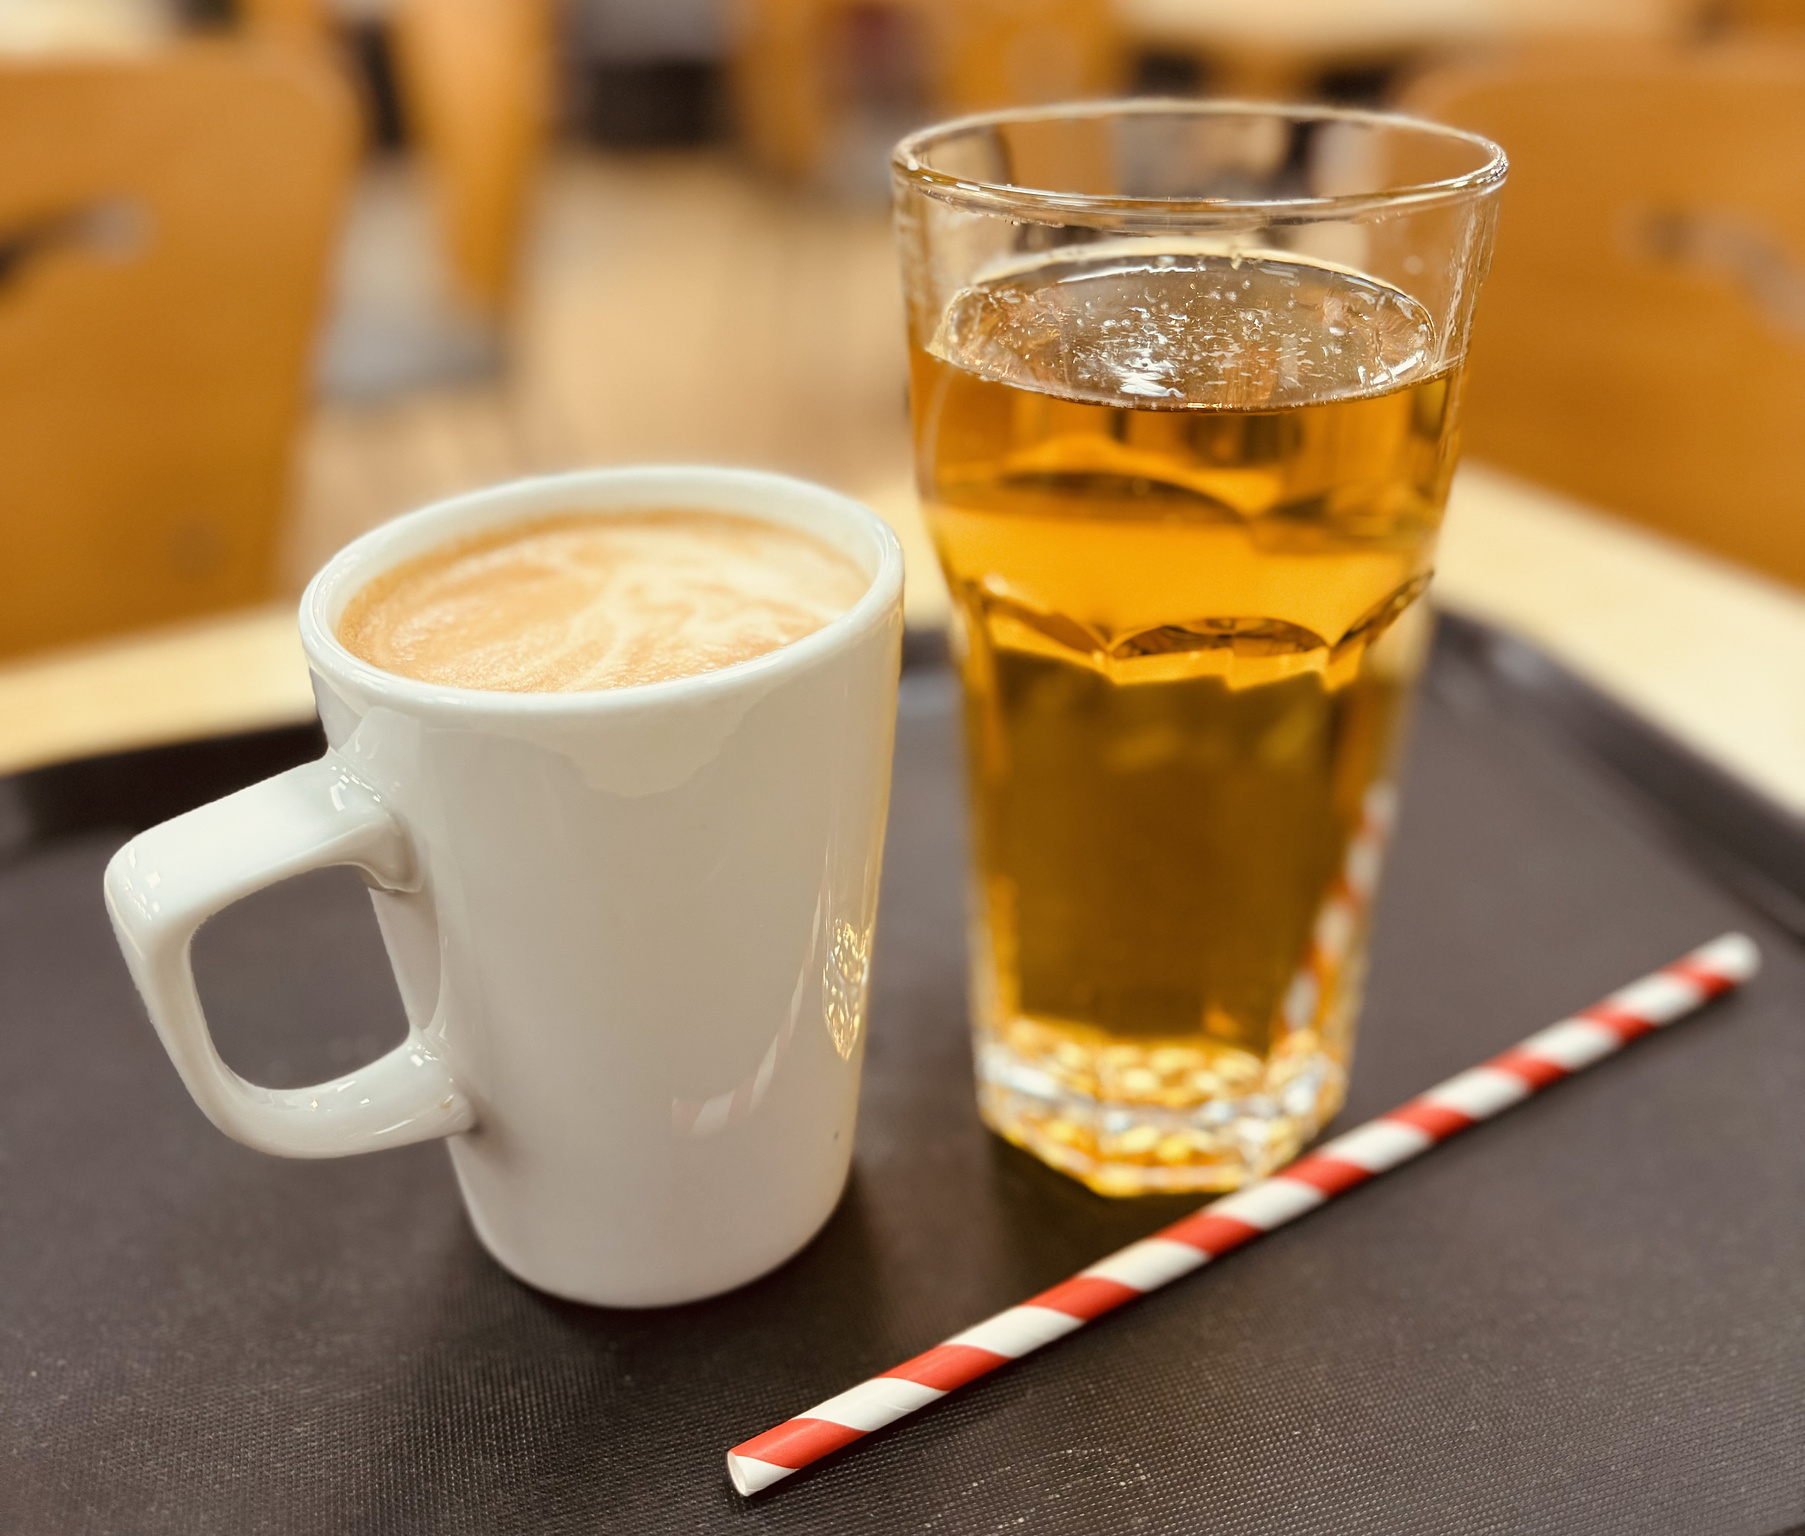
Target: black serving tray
(1588, 1317)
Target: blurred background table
(1286, 49)
(572, 238)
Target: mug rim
(697, 487)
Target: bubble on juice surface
(1189, 331)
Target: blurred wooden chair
(306, 24)
(1641, 338)
(476, 81)
(1757, 16)
(165, 228)
(821, 82)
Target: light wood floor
(674, 309)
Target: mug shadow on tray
(501, 1401)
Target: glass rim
(909, 162)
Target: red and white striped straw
(1224, 1225)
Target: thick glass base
(1160, 1117)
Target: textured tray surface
(1589, 1317)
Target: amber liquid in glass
(1185, 502)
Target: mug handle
(164, 883)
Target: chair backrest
(165, 229)
(1641, 338)
(297, 23)
(809, 73)
(1757, 15)
(476, 82)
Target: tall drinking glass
(1185, 385)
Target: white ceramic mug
(631, 927)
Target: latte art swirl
(583, 601)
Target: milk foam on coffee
(591, 600)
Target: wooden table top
(1330, 27)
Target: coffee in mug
(580, 601)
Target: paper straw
(1224, 1225)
